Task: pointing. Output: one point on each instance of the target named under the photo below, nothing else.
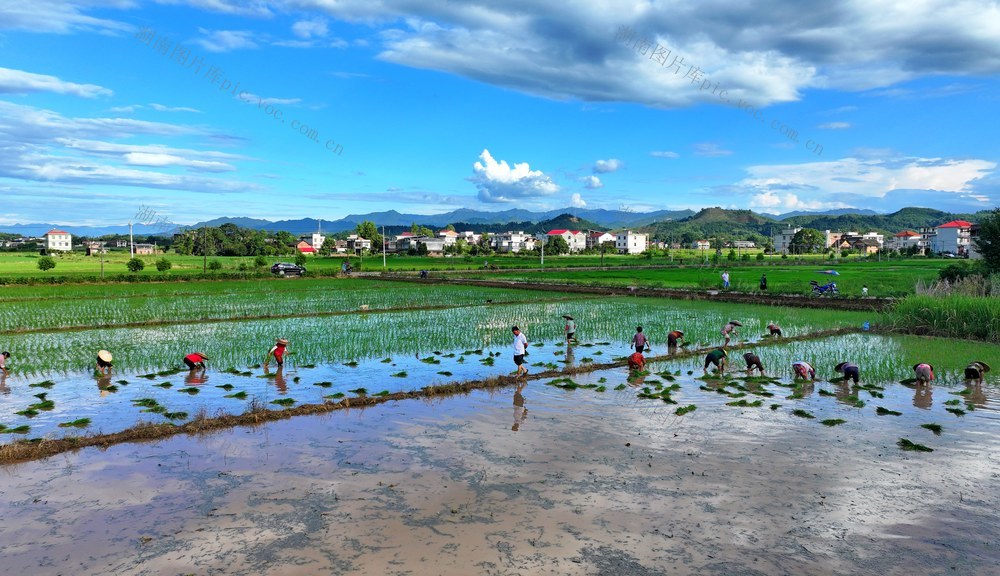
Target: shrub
(784, 256)
(300, 260)
(260, 261)
(215, 265)
(135, 265)
(760, 256)
(46, 263)
(163, 265)
(731, 255)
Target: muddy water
(588, 483)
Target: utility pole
(131, 242)
(383, 248)
(204, 250)
(543, 254)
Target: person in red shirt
(636, 361)
(277, 352)
(195, 360)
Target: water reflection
(104, 385)
(278, 379)
(923, 396)
(3, 384)
(976, 397)
(197, 377)
(570, 356)
(520, 412)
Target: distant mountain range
(709, 220)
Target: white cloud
(498, 182)
(225, 40)
(21, 82)
(664, 154)
(159, 160)
(852, 182)
(236, 7)
(255, 99)
(577, 201)
(710, 150)
(60, 16)
(162, 108)
(307, 29)
(606, 166)
(592, 182)
(835, 126)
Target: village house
(511, 241)
(974, 252)
(449, 236)
(357, 244)
(595, 239)
(316, 240)
(303, 247)
(58, 240)
(905, 240)
(629, 242)
(145, 249)
(575, 239)
(952, 237)
(701, 245)
(742, 244)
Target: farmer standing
(3, 362)
(763, 282)
(520, 346)
(639, 341)
(277, 352)
(570, 329)
(725, 279)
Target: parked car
(287, 269)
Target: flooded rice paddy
(540, 480)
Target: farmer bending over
(718, 358)
(924, 373)
(753, 362)
(636, 361)
(974, 372)
(803, 370)
(195, 360)
(277, 352)
(850, 371)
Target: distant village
(954, 237)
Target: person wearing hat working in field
(850, 371)
(730, 329)
(104, 364)
(718, 358)
(974, 372)
(773, 329)
(924, 373)
(520, 347)
(277, 352)
(570, 329)
(673, 338)
(636, 361)
(753, 363)
(195, 360)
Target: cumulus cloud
(21, 82)
(577, 201)
(664, 154)
(226, 40)
(856, 181)
(592, 182)
(606, 166)
(498, 182)
(835, 126)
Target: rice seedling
(122, 382)
(163, 385)
(400, 374)
(886, 412)
(155, 409)
(832, 422)
(956, 411)
(488, 361)
(444, 373)
(586, 360)
(359, 391)
(352, 363)
(43, 405)
(952, 402)
(46, 384)
(78, 423)
(238, 395)
(283, 401)
(382, 393)
(600, 389)
(226, 387)
(802, 413)
(189, 390)
(323, 384)
(935, 428)
(386, 360)
(855, 401)
(335, 395)
(23, 429)
(564, 383)
(620, 387)
(744, 404)
(775, 406)
(430, 360)
(906, 444)
(682, 410)
(175, 415)
(145, 402)
(28, 412)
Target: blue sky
(323, 108)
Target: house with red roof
(906, 240)
(596, 238)
(952, 237)
(305, 248)
(576, 239)
(58, 240)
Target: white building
(511, 241)
(470, 237)
(356, 243)
(596, 239)
(58, 240)
(449, 236)
(315, 240)
(743, 244)
(952, 237)
(905, 240)
(575, 239)
(783, 240)
(701, 245)
(629, 242)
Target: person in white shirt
(520, 346)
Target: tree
(807, 240)
(135, 265)
(163, 265)
(46, 263)
(988, 240)
(557, 245)
(450, 227)
(369, 231)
